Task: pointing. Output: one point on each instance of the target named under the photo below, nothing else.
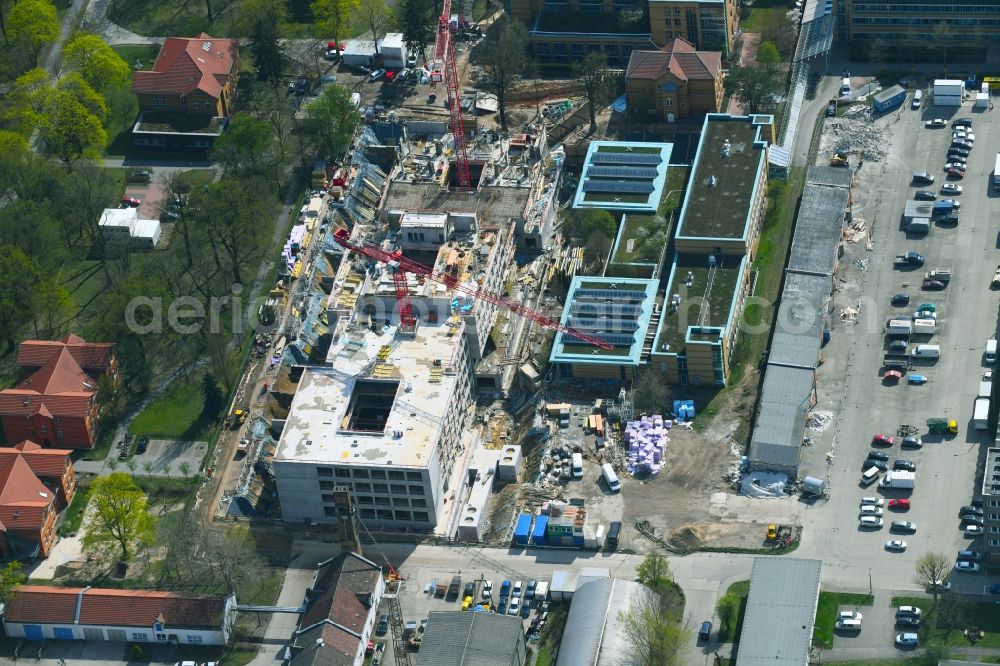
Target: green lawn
(73, 515)
(673, 189)
(729, 634)
(758, 16)
(138, 56)
(945, 631)
(480, 8)
(177, 414)
(826, 613)
(184, 18)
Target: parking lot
(850, 382)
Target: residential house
(340, 613)
(674, 83)
(185, 98)
(55, 404)
(35, 484)
(39, 612)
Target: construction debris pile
(856, 231)
(557, 466)
(819, 420)
(857, 135)
(647, 443)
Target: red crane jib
(343, 237)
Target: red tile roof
(91, 356)
(679, 58)
(20, 487)
(120, 608)
(43, 462)
(188, 64)
(60, 374)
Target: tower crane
(400, 265)
(443, 68)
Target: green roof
(700, 306)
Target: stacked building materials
(646, 440)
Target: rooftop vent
(726, 148)
(206, 46)
(711, 181)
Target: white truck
(924, 326)
(981, 413)
(541, 591)
(898, 479)
(996, 173)
(898, 327)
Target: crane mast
(443, 68)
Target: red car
(882, 440)
(899, 504)
(955, 174)
(131, 202)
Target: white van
(869, 476)
(845, 87)
(927, 351)
(577, 466)
(991, 352)
(849, 625)
(917, 97)
(614, 485)
(356, 100)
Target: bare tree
(930, 570)
(503, 57)
(374, 17)
(653, 638)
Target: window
(362, 487)
(380, 487)
(413, 476)
(365, 499)
(367, 513)
(60, 434)
(342, 473)
(140, 636)
(378, 473)
(995, 542)
(328, 499)
(416, 490)
(396, 476)
(360, 474)
(420, 516)
(57, 419)
(326, 485)
(384, 514)
(43, 428)
(324, 471)
(402, 515)
(330, 511)
(668, 102)
(382, 501)
(159, 101)
(197, 105)
(194, 638)
(400, 501)
(994, 503)
(418, 502)
(399, 488)
(995, 516)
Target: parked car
(850, 615)
(504, 589)
(939, 586)
(140, 176)
(924, 195)
(949, 218)
(411, 60)
(376, 75)
(881, 465)
(895, 545)
(936, 123)
(882, 440)
(965, 136)
(932, 285)
(131, 202)
(900, 299)
(878, 455)
(970, 519)
(912, 442)
(922, 178)
(470, 589)
(383, 625)
(515, 606)
(956, 174)
(962, 122)
(516, 590)
(487, 590)
(971, 508)
(906, 465)
(902, 504)
(869, 510)
(705, 632)
(973, 530)
(904, 526)
(529, 590)
(873, 501)
(963, 565)
(908, 610)
(897, 347)
(142, 444)
(955, 165)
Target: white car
(951, 188)
(870, 521)
(516, 590)
(955, 203)
(973, 530)
(849, 615)
(907, 640)
(937, 122)
(955, 165)
(869, 510)
(967, 566)
(908, 610)
(988, 376)
(487, 590)
(514, 607)
(967, 136)
(872, 501)
(896, 545)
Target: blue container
(538, 536)
(523, 529)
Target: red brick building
(191, 75)
(55, 404)
(35, 484)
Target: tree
(120, 518)
(954, 612)
(781, 29)
(331, 121)
(503, 57)
(332, 17)
(33, 23)
(11, 576)
(50, 302)
(185, 469)
(231, 212)
(213, 401)
(260, 21)
(768, 57)
(653, 637)
(69, 129)
(754, 87)
(930, 569)
(416, 19)
(132, 465)
(595, 252)
(726, 608)
(95, 61)
(649, 392)
(147, 467)
(592, 73)
(247, 148)
(373, 17)
(271, 105)
(654, 572)
(18, 277)
(113, 464)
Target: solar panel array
(621, 186)
(645, 173)
(601, 157)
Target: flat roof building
(457, 638)
(780, 612)
(991, 503)
(623, 176)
